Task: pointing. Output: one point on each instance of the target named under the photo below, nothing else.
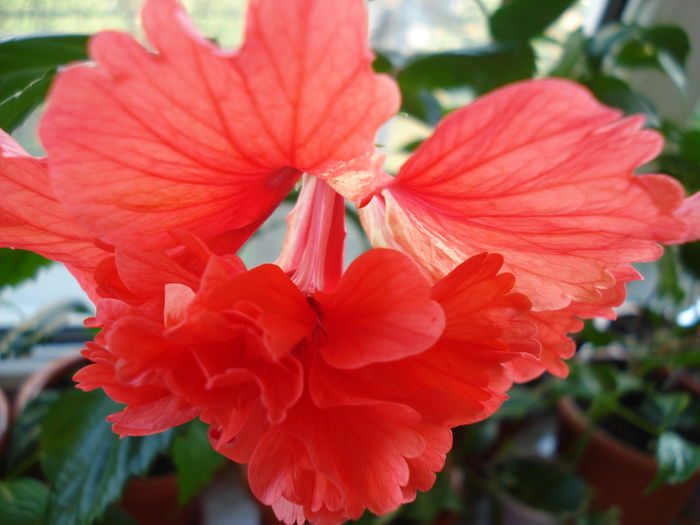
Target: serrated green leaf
(677, 459)
(23, 501)
(86, 464)
(195, 459)
(17, 266)
(517, 21)
(23, 449)
(664, 409)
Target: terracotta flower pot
(620, 474)
(155, 500)
(52, 375)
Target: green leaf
(672, 39)
(86, 464)
(26, 59)
(664, 409)
(615, 92)
(690, 258)
(669, 285)
(27, 67)
(517, 21)
(382, 63)
(662, 47)
(543, 484)
(572, 57)
(604, 41)
(478, 69)
(18, 265)
(23, 501)
(18, 107)
(684, 162)
(195, 459)
(677, 459)
(23, 449)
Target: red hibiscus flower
(195, 138)
(338, 388)
(299, 385)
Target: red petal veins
(32, 219)
(380, 311)
(192, 137)
(543, 174)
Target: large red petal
(32, 219)
(380, 311)
(192, 137)
(462, 378)
(344, 459)
(543, 174)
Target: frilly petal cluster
(339, 388)
(300, 386)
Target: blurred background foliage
(636, 378)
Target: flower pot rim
(39, 380)
(570, 411)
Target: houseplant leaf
(87, 465)
(195, 459)
(677, 459)
(22, 501)
(27, 67)
(518, 21)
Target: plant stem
(632, 417)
